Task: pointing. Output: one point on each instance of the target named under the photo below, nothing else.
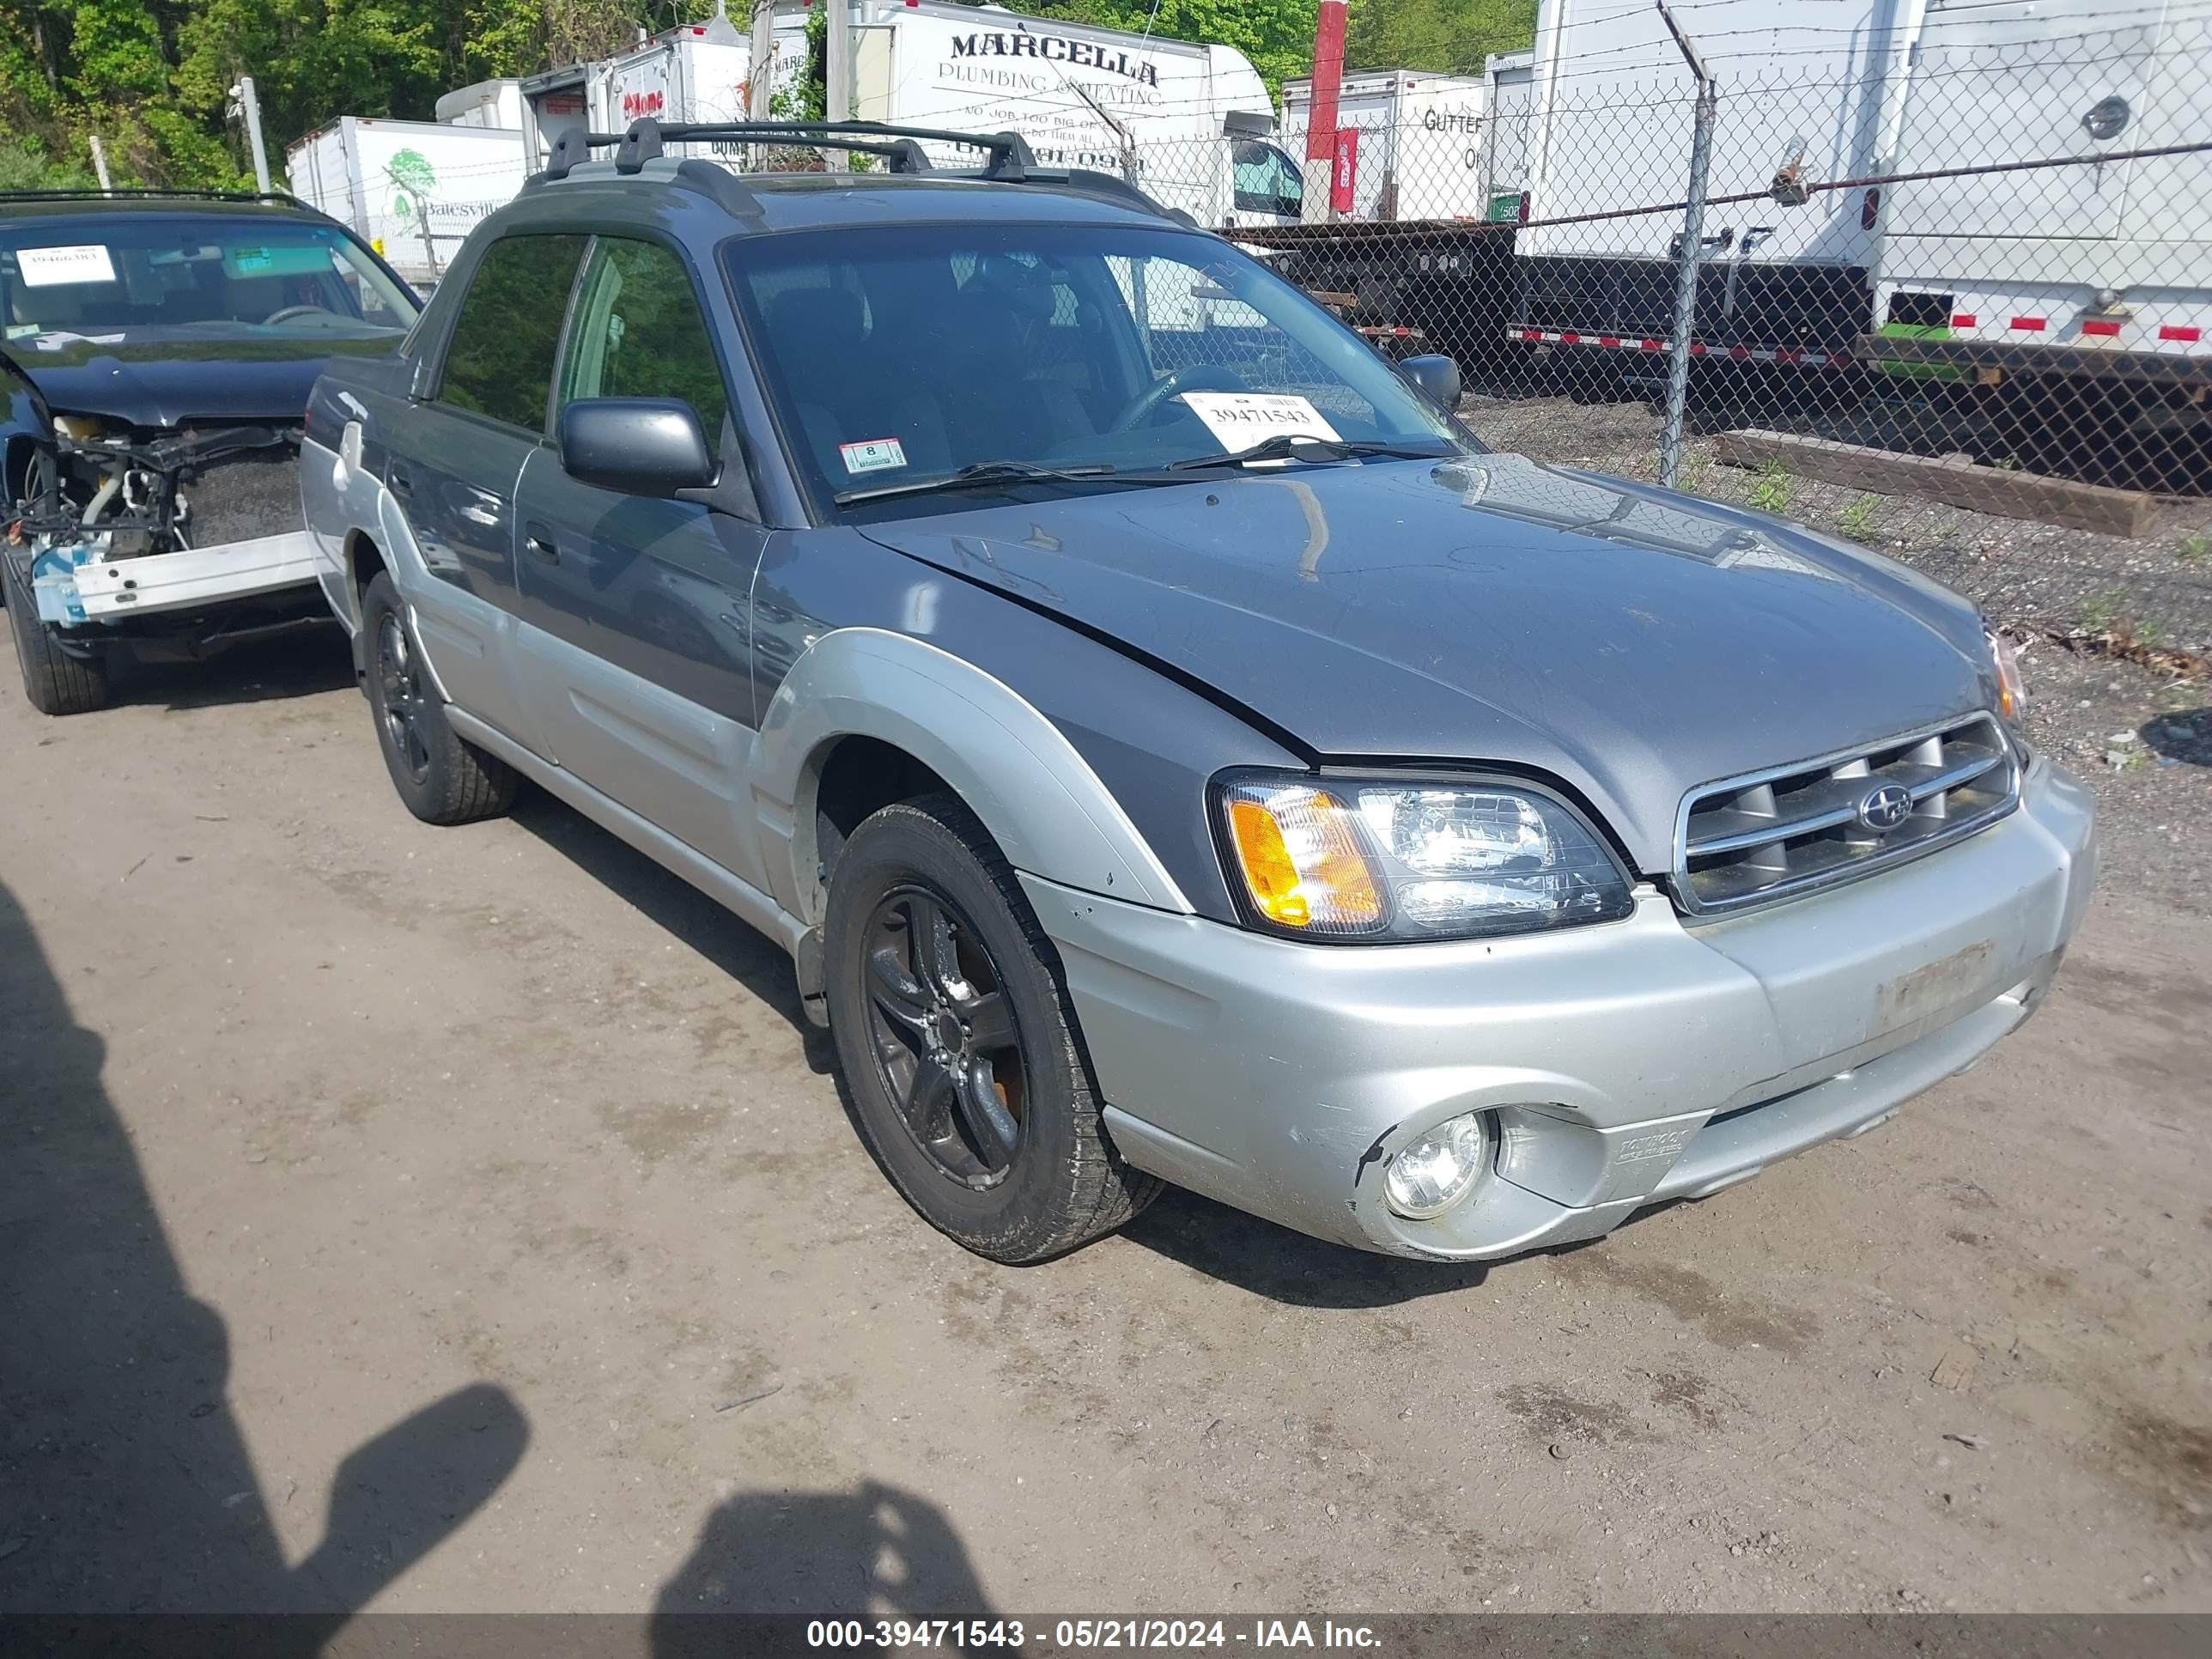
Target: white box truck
(1188, 123)
(412, 190)
(1422, 148)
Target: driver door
(636, 636)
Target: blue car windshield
(119, 276)
(900, 355)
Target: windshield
(899, 356)
(100, 277)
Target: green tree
(153, 77)
(1277, 35)
(1440, 36)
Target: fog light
(1434, 1171)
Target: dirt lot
(467, 1220)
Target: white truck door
(1990, 83)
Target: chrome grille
(1768, 835)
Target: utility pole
(1318, 171)
(242, 98)
(1692, 255)
(760, 77)
(100, 164)
(837, 79)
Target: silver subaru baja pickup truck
(1169, 746)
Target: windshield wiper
(1294, 446)
(974, 476)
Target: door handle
(399, 480)
(538, 542)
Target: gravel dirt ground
(468, 1220)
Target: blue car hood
(1630, 643)
(166, 377)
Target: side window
(638, 333)
(500, 362)
(1265, 179)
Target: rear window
(178, 274)
(499, 363)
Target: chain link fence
(1971, 261)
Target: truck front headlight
(1354, 861)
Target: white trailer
(411, 190)
(1993, 267)
(2074, 268)
(1422, 151)
(1805, 94)
(485, 104)
(692, 74)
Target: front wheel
(968, 1079)
(55, 682)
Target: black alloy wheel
(942, 1033)
(401, 704)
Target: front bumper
(118, 590)
(1626, 1063)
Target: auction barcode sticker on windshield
(872, 454)
(1241, 419)
(51, 267)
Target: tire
(1062, 1183)
(55, 682)
(443, 778)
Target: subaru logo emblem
(1886, 808)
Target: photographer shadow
(126, 1482)
(873, 1553)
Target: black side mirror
(1437, 375)
(638, 446)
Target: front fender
(1047, 809)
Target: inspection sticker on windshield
(51, 267)
(1241, 419)
(872, 454)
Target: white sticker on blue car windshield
(872, 454)
(52, 267)
(1241, 419)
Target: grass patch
(2101, 610)
(1856, 521)
(1771, 489)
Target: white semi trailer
(412, 190)
(1990, 264)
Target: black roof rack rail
(180, 193)
(1011, 157)
(1113, 188)
(1011, 161)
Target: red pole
(1320, 112)
(1327, 80)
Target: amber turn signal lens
(1299, 852)
(2012, 689)
(1269, 871)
